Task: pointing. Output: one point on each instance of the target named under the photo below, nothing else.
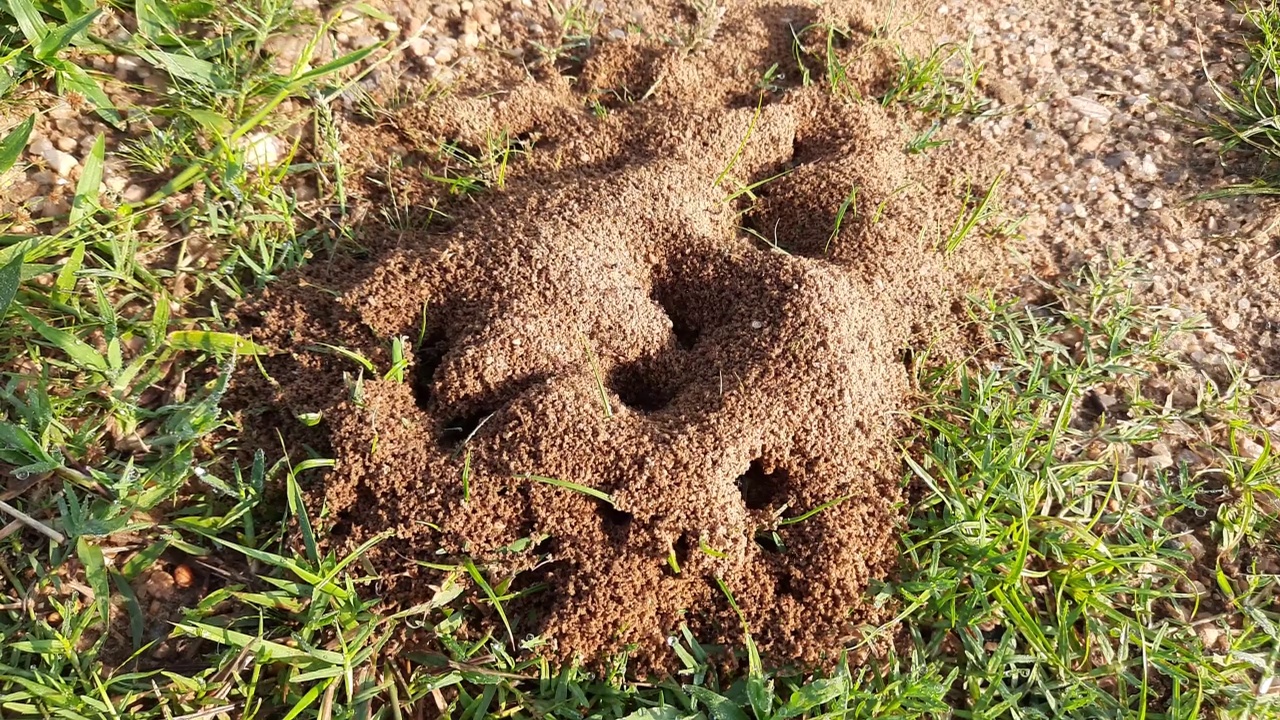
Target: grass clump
(1250, 104)
(1048, 568)
(943, 83)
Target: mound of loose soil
(621, 315)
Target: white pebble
(59, 161)
(134, 194)
(419, 48)
(261, 150)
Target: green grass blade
(10, 279)
(66, 280)
(75, 348)
(13, 143)
(63, 35)
(193, 69)
(155, 18)
(567, 485)
(86, 197)
(95, 571)
(73, 78)
(476, 575)
(215, 342)
(742, 146)
(29, 20)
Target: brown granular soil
(619, 314)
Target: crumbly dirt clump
(695, 307)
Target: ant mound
(663, 366)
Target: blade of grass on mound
(742, 145)
(575, 487)
(971, 218)
(478, 577)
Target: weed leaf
(86, 196)
(75, 8)
(271, 651)
(66, 280)
(73, 78)
(95, 571)
(334, 65)
(200, 72)
(659, 713)
(18, 446)
(720, 707)
(192, 9)
(137, 625)
(10, 278)
(155, 18)
(29, 20)
(210, 120)
(13, 143)
(809, 698)
(215, 342)
(75, 348)
(62, 36)
(567, 485)
(299, 510)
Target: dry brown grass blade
(32, 523)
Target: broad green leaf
(10, 279)
(272, 651)
(95, 571)
(137, 624)
(144, 559)
(75, 348)
(64, 35)
(36, 647)
(17, 438)
(13, 143)
(217, 342)
(299, 510)
(201, 72)
(86, 197)
(73, 78)
(371, 11)
(155, 18)
(720, 707)
(210, 120)
(193, 9)
(66, 281)
(809, 698)
(29, 20)
(660, 713)
(76, 8)
(110, 326)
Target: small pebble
(59, 161)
